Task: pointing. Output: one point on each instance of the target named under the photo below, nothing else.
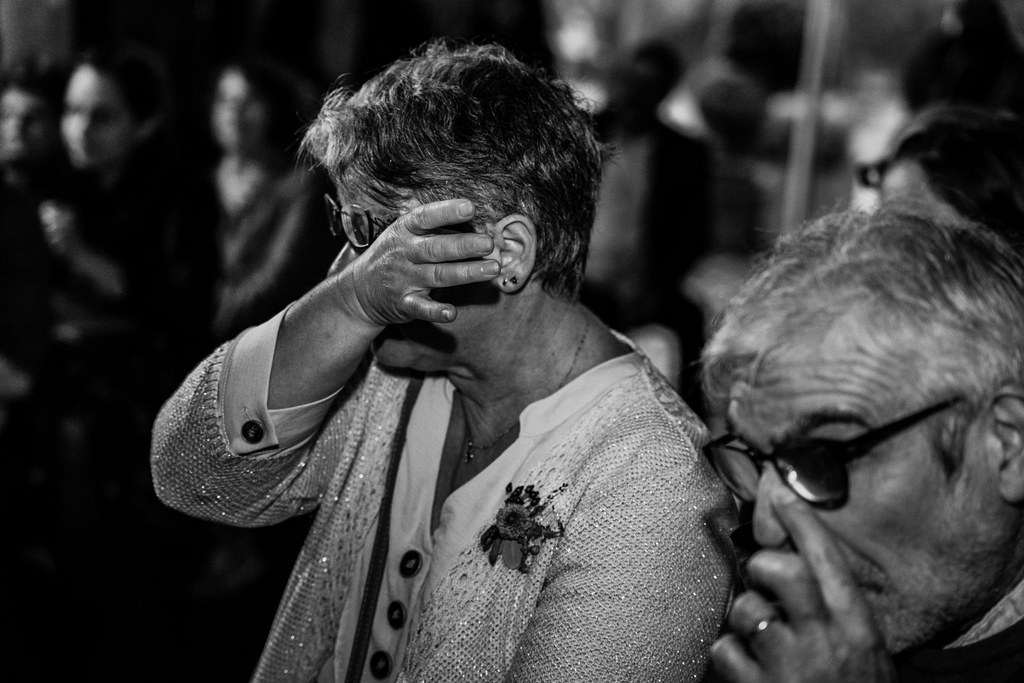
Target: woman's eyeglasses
(358, 224)
(814, 468)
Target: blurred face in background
(28, 128)
(240, 117)
(903, 180)
(906, 180)
(100, 130)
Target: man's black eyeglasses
(814, 468)
(871, 175)
(358, 224)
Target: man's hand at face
(819, 629)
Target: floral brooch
(517, 534)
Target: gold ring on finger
(762, 626)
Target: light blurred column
(821, 19)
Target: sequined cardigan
(635, 589)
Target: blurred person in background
(120, 333)
(31, 154)
(652, 219)
(272, 239)
(270, 244)
(28, 136)
(734, 107)
(972, 57)
(24, 301)
(26, 489)
(504, 489)
(116, 235)
(32, 168)
(957, 161)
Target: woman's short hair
(974, 160)
(473, 122)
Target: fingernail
(465, 209)
(448, 314)
(490, 268)
(483, 243)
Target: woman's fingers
(422, 307)
(439, 275)
(428, 217)
(419, 306)
(436, 248)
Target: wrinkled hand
(821, 629)
(390, 282)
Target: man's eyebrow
(819, 418)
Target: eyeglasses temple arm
(877, 436)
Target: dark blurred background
(125, 259)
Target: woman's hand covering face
(390, 282)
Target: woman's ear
(515, 245)
(1006, 443)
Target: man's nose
(768, 530)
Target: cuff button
(253, 431)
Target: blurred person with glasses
(873, 379)
(504, 488)
(956, 161)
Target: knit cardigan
(635, 588)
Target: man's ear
(515, 245)
(1006, 442)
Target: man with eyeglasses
(873, 380)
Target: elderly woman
(504, 489)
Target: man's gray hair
(471, 122)
(944, 299)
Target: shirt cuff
(252, 428)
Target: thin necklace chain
(472, 449)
